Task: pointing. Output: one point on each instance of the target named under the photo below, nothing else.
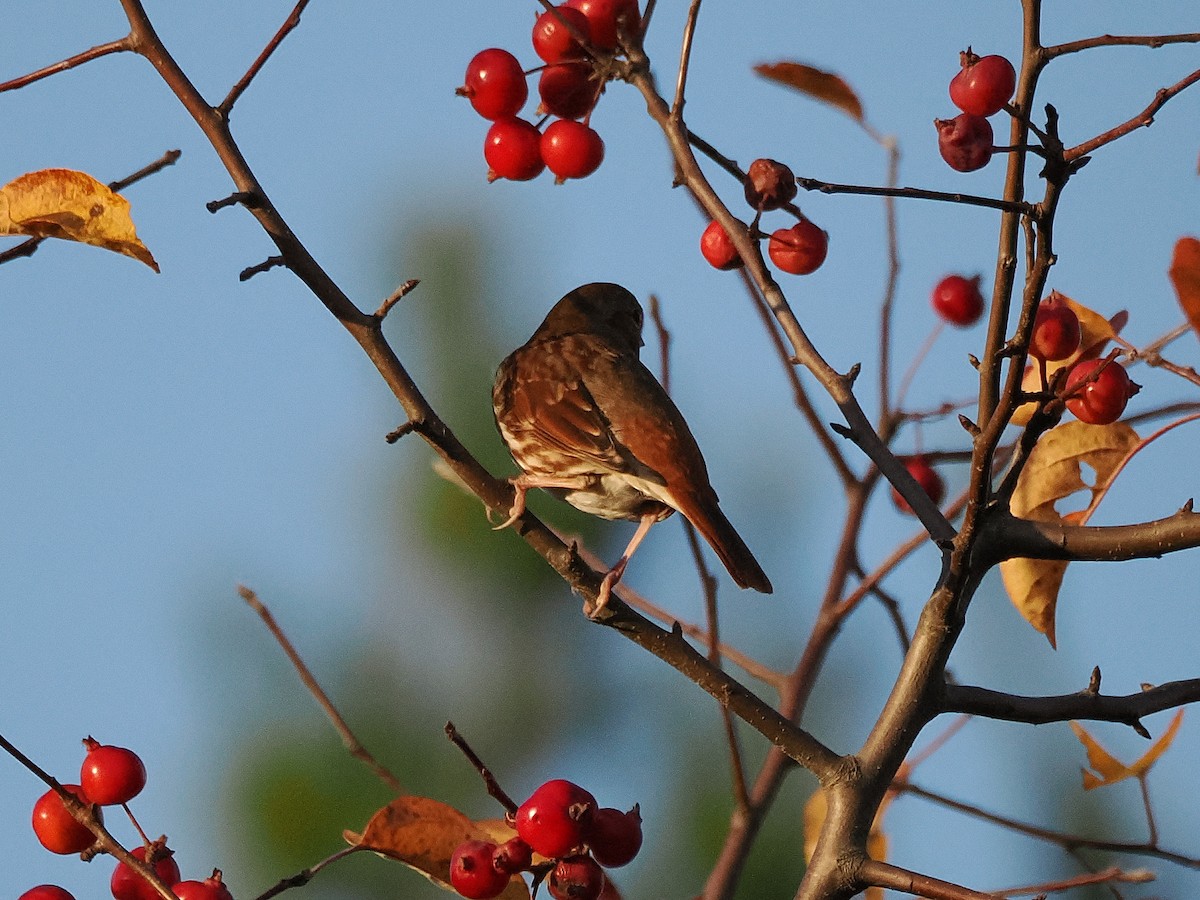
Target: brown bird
(587, 421)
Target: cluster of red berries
(111, 776)
(798, 250)
(568, 87)
(980, 89)
(561, 822)
(1096, 391)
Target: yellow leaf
(821, 85)
(74, 206)
(423, 834)
(1185, 275)
(1107, 769)
(1052, 473)
(1033, 585)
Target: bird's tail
(708, 519)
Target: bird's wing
(644, 422)
(549, 396)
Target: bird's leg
(523, 482)
(614, 574)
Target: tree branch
(1144, 119)
(1121, 40)
(911, 193)
(1129, 709)
(293, 19)
(118, 46)
(1006, 537)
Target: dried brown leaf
(1185, 275)
(816, 83)
(74, 206)
(423, 833)
(1052, 473)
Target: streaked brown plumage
(587, 421)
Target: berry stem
(493, 786)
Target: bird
(584, 419)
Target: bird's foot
(593, 610)
(518, 507)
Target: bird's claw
(518, 507)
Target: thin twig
(293, 19)
(685, 56)
(493, 786)
(1104, 876)
(1061, 838)
(1142, 120)
(352, 743)
(118, 46)
(304, 876)
(1120, 40)
(396, 296)
(911, 193)
(271, 262)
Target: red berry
(965, 141)
(552, 39)
(217, 885)
(195, 890)
(47, 892)
(568, 90)
(607, 17)
(769, 184)
(128, 883)
(495, 84)
(513, 856)
(1056, 330)
(983, 85)
(55, 827)
(554, 818)
(718, 249)
(958, 300)
(927, 477)
(111, 775)
(512, 149)
(1097, 391)
(576, 878)
(571, 149)
(615, 837)
(800, 249)
(472, 872)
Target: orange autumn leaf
(816, 83)
(1106, 769)
(1185, 276)
(1052, 473)
(423, 833)
(73, 206)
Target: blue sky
(171, 436)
